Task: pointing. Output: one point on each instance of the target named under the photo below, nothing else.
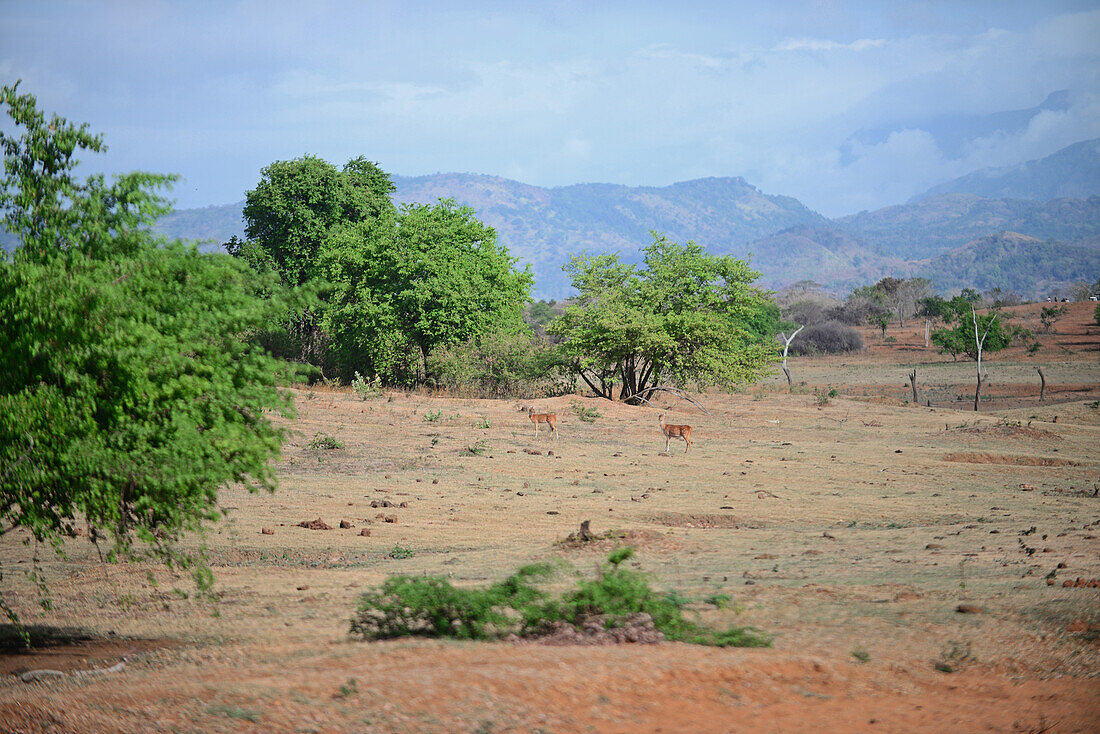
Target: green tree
(448, 279)
(293, 209)
(432, 277)
(127, 395)
(687, 316)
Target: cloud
(813, 44)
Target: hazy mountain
(827, 254)
(1013, 262)
(945, 221)
(945, 236)
(210, 224)
(1072, 172)
(544, 227)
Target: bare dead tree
(786, 346)
(979, 342)
(1042, 384)
(913, 384)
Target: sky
(845, 106)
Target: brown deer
(550, 419)
(671, 432)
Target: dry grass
(840, 528)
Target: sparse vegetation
(431, 606)
(435, 417)
(586, 414)
(366, 389)
(480, 448)
(324, 442)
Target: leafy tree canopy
(686, 316)
(127, 395)
(292, 211)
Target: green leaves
(686, 317)
(129, 392)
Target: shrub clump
(617, 606)
(829, 337)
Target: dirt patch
(1003, 431)
(68, 651)
(691, 520)
(984, 458)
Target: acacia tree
(127, 395)
(686, 316)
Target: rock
(345, 524)
(365, 532)
(933, 546)
(317, 524)
(403, 504)
(390, 519)
(303, 587)
(267, 531)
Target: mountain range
(1028, 228)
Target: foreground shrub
(829, 337)
(430, 606)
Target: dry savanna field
(921, 568)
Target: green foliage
(881, 320)
(128, 395)
(296, 205)
(50, 209)
(399, 552)
(366, 389)
(449, 280)
(1096, 316)
(686, 316)
(588, 415)
(960, 339)
(499, 364)
(324, 442)
(392, 285)
(1049, 315)
(430, 606)
(861, 655)
(480, 448)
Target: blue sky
(844, 105)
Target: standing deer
(671, 432)
(550, 419)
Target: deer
(550, 419)
(671, 432)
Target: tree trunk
(978, 392)
(927, 333)
(787, 372)
(913, 384)
(1042, 384)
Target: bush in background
(500, 365)
(829, 337)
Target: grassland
(852, 526)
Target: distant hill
(210, 224)
(544, 227)
(1014, 262)
(946, 221)
(826, 254)
(1072, 172)
(943, 236)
